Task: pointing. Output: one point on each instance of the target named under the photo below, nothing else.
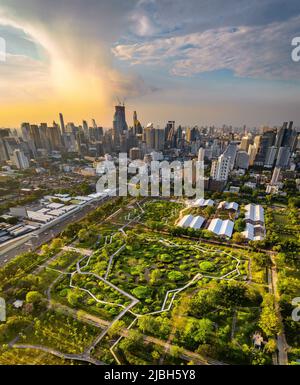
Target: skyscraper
(242, 160)
(54, 136)
(267, 141)
(62, 123)
(275, 176)
(20, 160)
(35, 136)
(252, 151)
(154, 137)
(283, 157)
(245, 142)
(137, 127)
(85, 129)
(271, 156)
(119, 122)
(170, 134)
(230, 152)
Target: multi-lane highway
(33, 242)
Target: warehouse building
(254, 214)
(228, 206)
(221, 228)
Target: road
(49, 234)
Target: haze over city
(198, 63)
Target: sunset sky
(194, 61)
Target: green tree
(238, 238)
(239, 225)
(269, 322)
(141, 292)
(116, 328)
(73, 297)
(198, 330)
(154, 276)
(231, 293)
(148, 324)
(132, 342)
(175, 276)
(33, 297)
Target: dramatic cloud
(79, 55)
(59, 52)
(166, 17)
(256, 52)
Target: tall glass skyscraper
(119, 122)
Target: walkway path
(282, 344)
(77, 357)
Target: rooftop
(220, 227)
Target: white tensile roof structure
(197, 222)
(203, 202)
(185, 221)
(254, 213)
(249, 232)
(191, 221)
(228, 206)
(220, 227)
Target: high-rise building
(35, 136)
(275, 176)
(231, 152)
(54, 137)
(119, 122)
(242, 160)
(201, 154)
(220, 169)
(137, 127)
(271, 157)
(62, 123)
(159, 139)
(44, 135)
(283, 157)
(170, 134)
(95, 133)
(69, 141)
(20, 160)
(179, 137)
(267, 141)
(190, 134)
(85, 129)
(245, 142)
(252, 151)
(3, 152)
(25, 132)
(215, 149)
(154, 138)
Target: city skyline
(165, 59)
